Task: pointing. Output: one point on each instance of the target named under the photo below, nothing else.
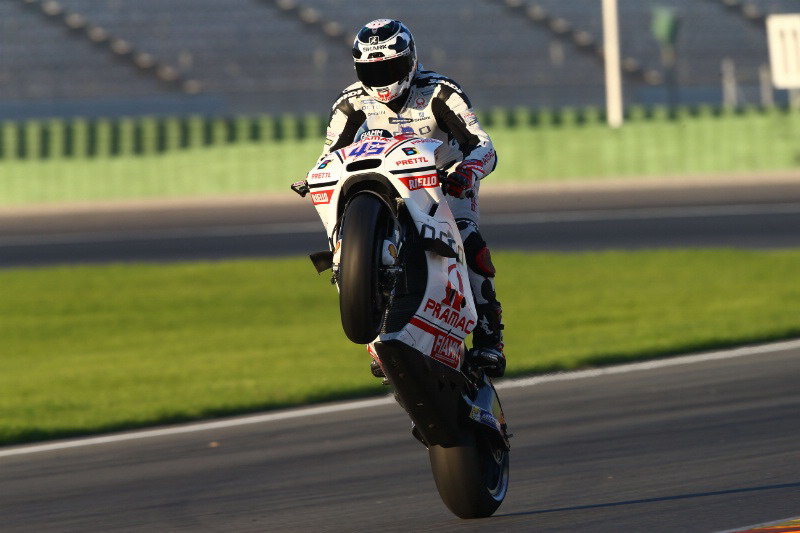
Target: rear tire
(361, 303)
(472, 476)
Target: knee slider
(479, 258)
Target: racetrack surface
(699, 445)
(556, 218)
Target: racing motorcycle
(398, 263)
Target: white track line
(654, 364)
(386, 400)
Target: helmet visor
(386, 72)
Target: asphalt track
(593, 217)
(700, 445)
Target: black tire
(361, 304)
(472, 477)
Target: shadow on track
(655, 500)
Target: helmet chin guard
(385, 59)
(390, 92)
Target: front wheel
(361, 302)
(472, 476)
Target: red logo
(413, 161)
(322, 197)
(446, 349)
(428, 181)
(384, 95)
(445, 311)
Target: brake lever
(301, 188)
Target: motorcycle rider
(395, 93)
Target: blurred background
(105, 99)
(145, 144)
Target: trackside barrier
(147, 136)
(81, 138)
(657, 141)
(81, 159)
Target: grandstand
(123, 57)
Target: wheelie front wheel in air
(472, 476)
(361, 302)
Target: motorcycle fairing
(447, 311)
(423, 359)
(485, 410)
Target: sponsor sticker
(322, 197)
(484, 417)
(413, 161)
(469, 118)
(427, 181)
(488, 419)
(445, 312)
(452, 85)
(446, 349)
(475, 413)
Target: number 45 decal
(370, 148)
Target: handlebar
(301, 187)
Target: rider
(395, 93)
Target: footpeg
(376, 369)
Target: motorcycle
(398, 262)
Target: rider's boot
(487, 340)
(487, 337)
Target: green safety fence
(82, 138)
(82, 159)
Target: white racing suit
(436, 107)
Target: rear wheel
(472, 476)
(361, 300)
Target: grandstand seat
(252, 56)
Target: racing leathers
(436, 107)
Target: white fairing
(441, 324)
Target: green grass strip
(98, 348)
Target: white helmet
(385, 59)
